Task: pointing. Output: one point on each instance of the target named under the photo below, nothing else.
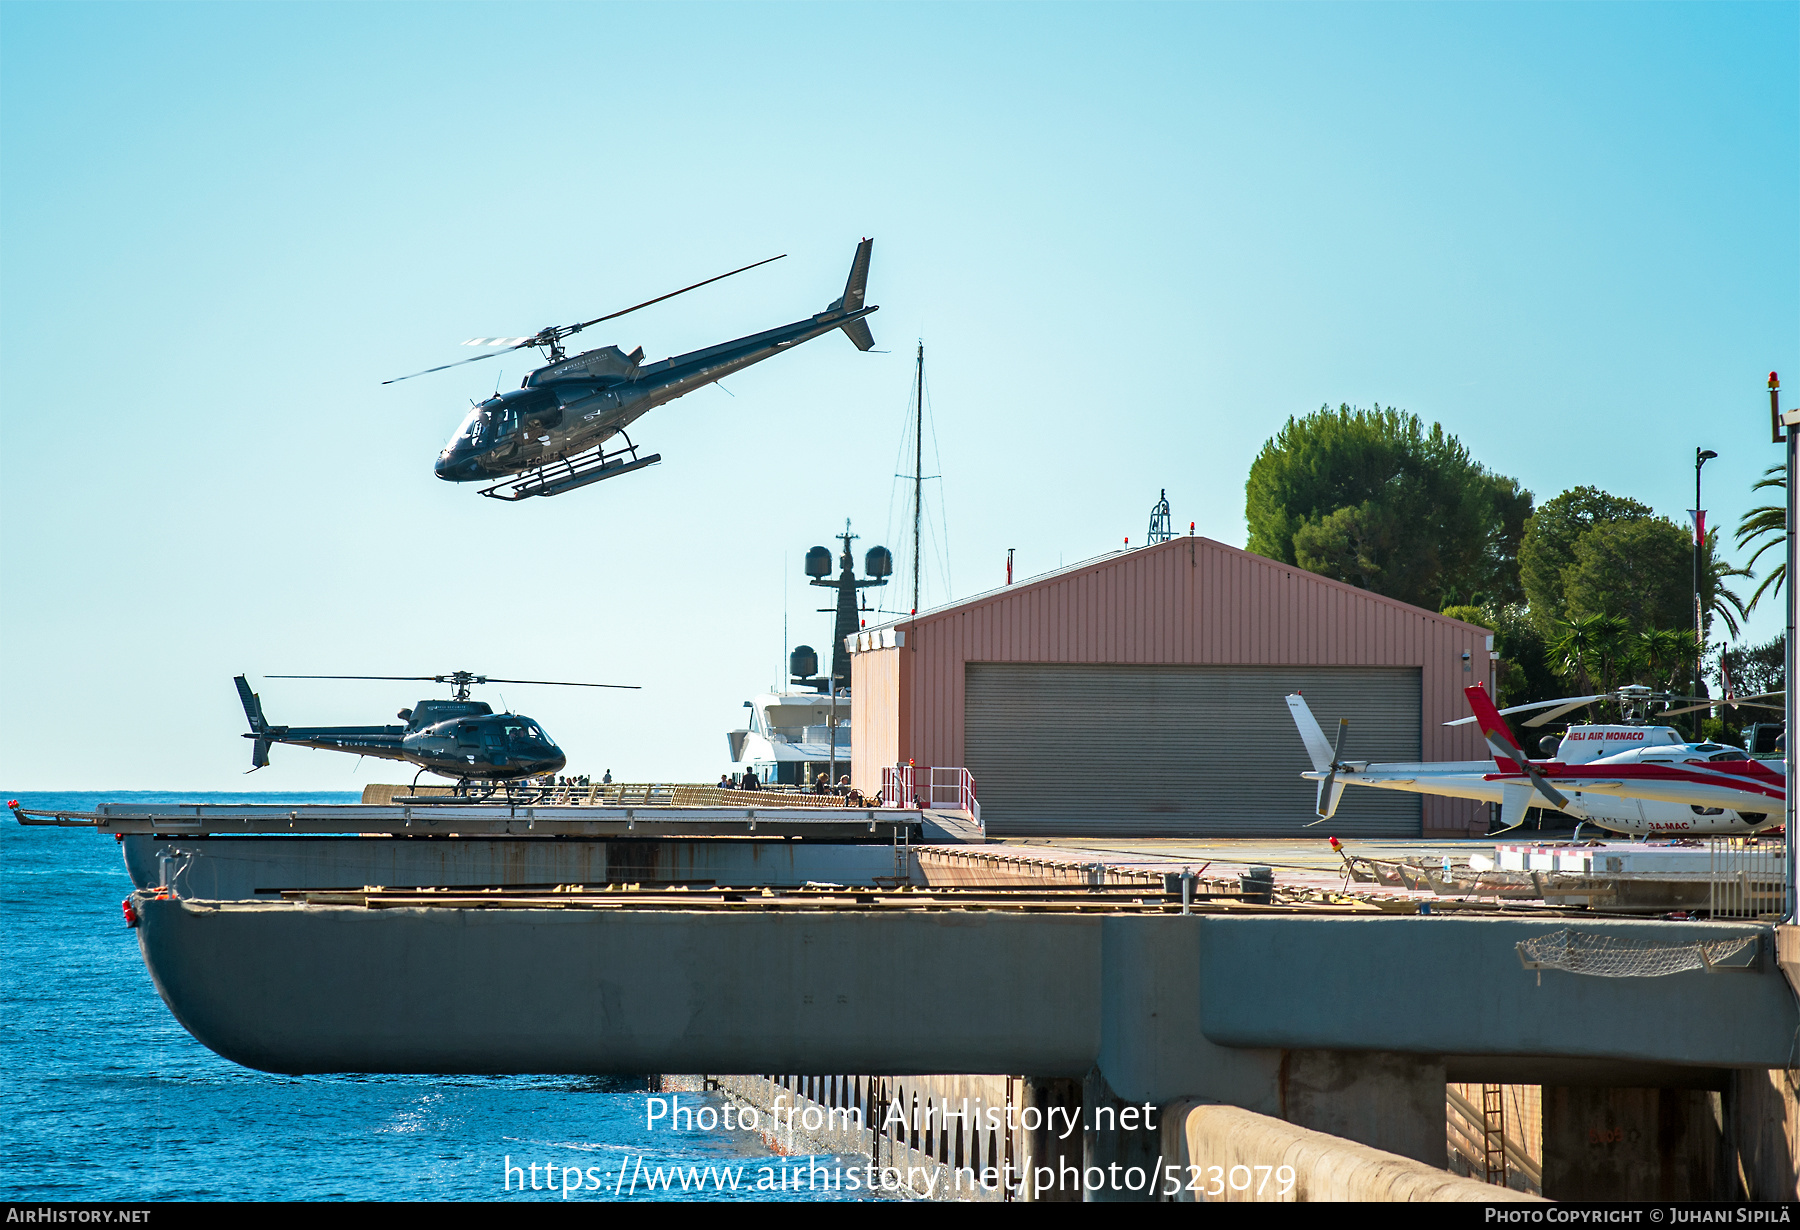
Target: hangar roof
(874, 638)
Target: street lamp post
(1783, 426)
(1701, 457)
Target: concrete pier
(1336, 1022)
(263, 867)
(1229, 1154)
(1165, 1005)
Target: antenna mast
(1160, 530)
(918, 469)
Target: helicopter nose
(455, 469)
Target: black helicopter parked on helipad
(457, 738)
(552, 431)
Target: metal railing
(1747, 877)
(930, 787)
(644, 794)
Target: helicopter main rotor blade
(471, 680)
(549, 337)
(1551, 716)
(562, 683)
(1720, 703)
(1741, 700)
(684, 290)
(1568, 703)
(444, 366)
(404, 678)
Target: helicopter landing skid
(568, 473)
(482, 790)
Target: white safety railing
(1746, 877)
(930, 786)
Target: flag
(1725, 678)
(1697, 518)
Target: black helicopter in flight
(459, 738)
(552, 431)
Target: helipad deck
(487, 820)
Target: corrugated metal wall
(1190, 601)
(875, 716)
(1180, 751)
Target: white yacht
(792, 738)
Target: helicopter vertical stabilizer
(855, 290)
(259, 755)
(1318, 747)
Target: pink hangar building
(1142, 693)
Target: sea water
(107, 1097)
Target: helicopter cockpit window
(473, 425)
(1729, 754)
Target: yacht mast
(918, 474)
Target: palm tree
(1572, 648)
(1586, 649)
(1766, 526)
(1720, 599)
(1612, 645)
(1666, 653)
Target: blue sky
(1134, 239)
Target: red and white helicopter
(1632, 778)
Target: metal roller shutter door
(1180, 751)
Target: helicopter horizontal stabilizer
(1331, 793)
(1515, 800)
(858, 331)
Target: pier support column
(1051, 1153)
(1764, 1122)
(1120, 1144)
(1390, 1102)
(1634, 1144)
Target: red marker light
(1774, 381)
